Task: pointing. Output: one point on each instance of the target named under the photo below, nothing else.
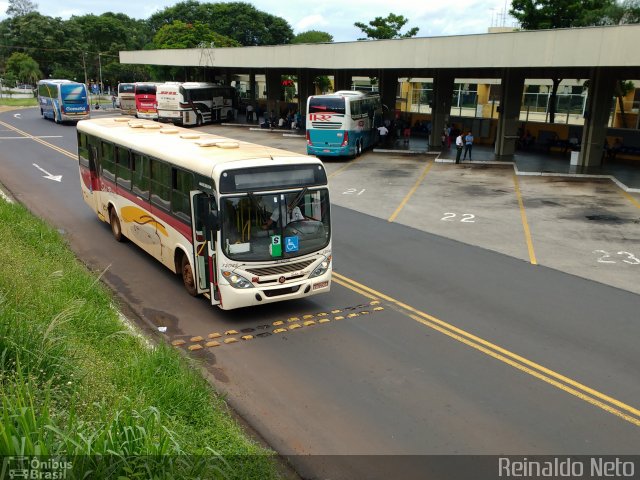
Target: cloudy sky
(433, 17)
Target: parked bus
(63, 100)
(146, 105)
(127, 98)
(211, 209)
(343, 123)
(195, 103)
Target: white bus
(211, 209)
(343, 123)
(63, 100)
(127, 98)
(195, 103)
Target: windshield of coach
(275, 226)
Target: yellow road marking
(411, 192)
(630, 198)
(39, 140)
(525, 224)
(504, 355)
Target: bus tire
(56, 118)
(187, 277)
(116, 228)
(199, 120)
(358, 148)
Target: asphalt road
(428, 344)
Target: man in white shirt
(383, 131)
(293, 215)
(459, 147)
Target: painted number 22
(465, 217)
(606, 257)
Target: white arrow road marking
(17, 115)
(48, 176)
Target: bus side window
(160, 184)
(140, 176)
(107, 161)
(182, 183)
(123, 168)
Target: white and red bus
(215, 211)
(146, 104)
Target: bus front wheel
(187, 277)
(116, 229)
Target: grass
(18, 102)
(75, 382)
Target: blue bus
(63, 100)
(343, 123)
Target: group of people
(397, 129)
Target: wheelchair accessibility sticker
(290, 244)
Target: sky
(336, 17)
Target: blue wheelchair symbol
(290, 244)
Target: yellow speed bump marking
(293, 319)
(307, 316)
(336, 311)
(352, 315)
(212, 343)
(177, 343)
(339, 317)
(374, 302)
(214, 335)
(293, 326)
(277, 323)
(197, 346)
(280, 330)
(196, 339)
(377, 309)
(308, 323)
(525, 365)
(322, 314)
(230, 340)
(231, 332)
(247, 337)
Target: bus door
(94, 175)
(204, 228)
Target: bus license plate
(320, 285)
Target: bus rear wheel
(187, 277)
(358, 148)
(116, 229)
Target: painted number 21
(465, 217)
(607, 257)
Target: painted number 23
(465, 217)
(606, 257)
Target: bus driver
(293, 214)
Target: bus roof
(54, 80)
(189, 149)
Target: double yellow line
(39, 140)
(566, 384)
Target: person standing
(459, 147)
(468, 145)
(250, 113)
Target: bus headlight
(235, 280)
(322, 268)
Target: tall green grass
(75, 382)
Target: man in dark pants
(459, 146)
(468, 145)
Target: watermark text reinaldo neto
(567, 467)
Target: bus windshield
(273, 226)
(126, 88)
(145, 89)
(326, 105)
(73, 94)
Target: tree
(24, 68)
(312, 36)
(21, 7)
(190, 35)
(545, 14)
(237, 20)
(386, 28)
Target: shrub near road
(75, 382)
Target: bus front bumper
(236, 298)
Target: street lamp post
(100, 68)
